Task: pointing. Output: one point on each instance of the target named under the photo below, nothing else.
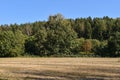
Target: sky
(24, 11)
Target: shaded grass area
(59, 69)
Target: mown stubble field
(60, 69)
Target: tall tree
(88, 30)
(60, 35)
(11, 44)
(114, 45)
(80, 27)
(99, 28)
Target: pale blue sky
(22, 11)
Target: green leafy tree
(99, 28)
(40, 40)
(11, 44)
(60, 35)
(88, 31)
(30, 47)
(114, 45)
(95, 44)
(77, 45)
(80, 27)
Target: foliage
(77, 45)
(114, 45)
(64, 37)
(87, 46)
(11, 44)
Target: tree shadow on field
(55, 75)
(33, 78)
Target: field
(60, 69)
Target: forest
(62, 37)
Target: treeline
(62, 37)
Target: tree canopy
(62, 37)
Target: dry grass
(59, 69)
